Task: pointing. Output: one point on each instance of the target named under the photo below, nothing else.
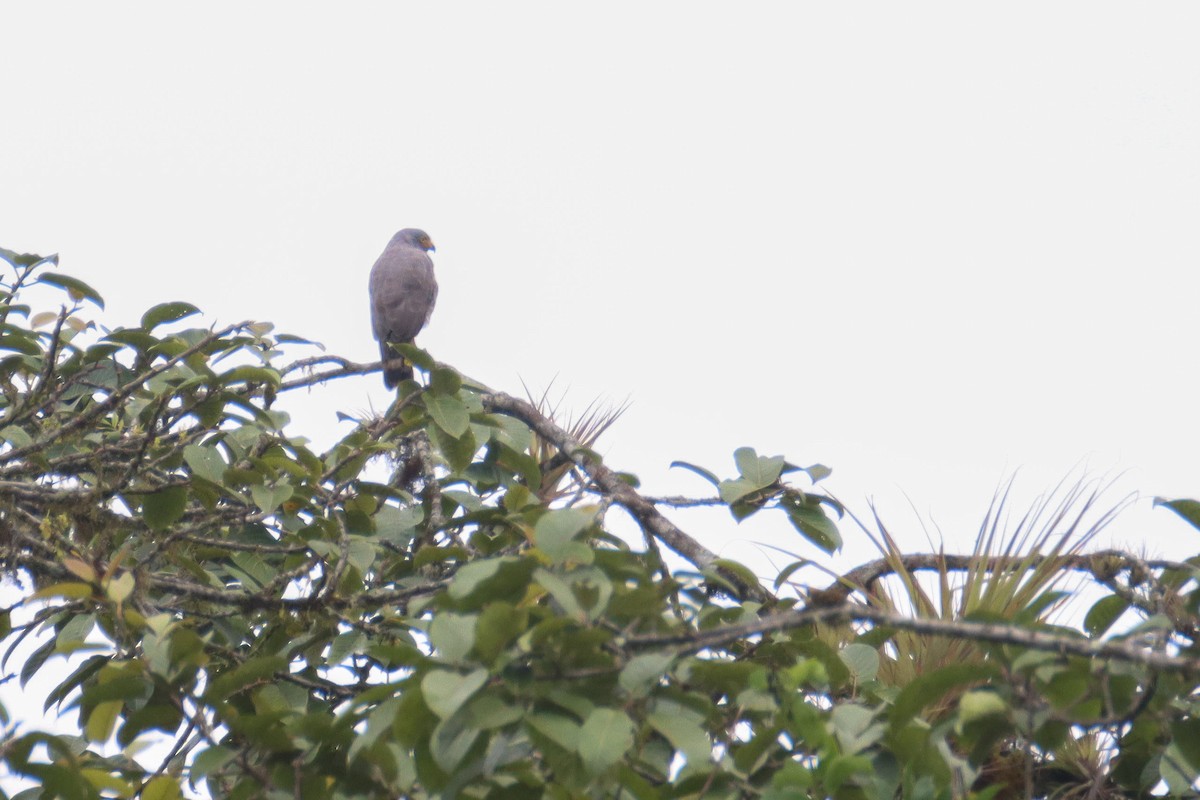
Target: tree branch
(999, 632)
(611, 484)
(1098, 564)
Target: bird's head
(415, 237)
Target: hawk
(403, 291)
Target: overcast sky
(926, 244)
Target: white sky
(926, 244)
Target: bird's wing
(403, 291)
(432, 292)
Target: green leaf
(471, 575)
(42, 318)
(166, 506)
(248, 374)
(729, 574)
(977, 705)
(445, 691)
(398, 526)
(254, 671)
(583, 593)
(445, 381)
(289, 338)
(72, 589)
(1173, 768)
(449, 413)
(811, 523)
(15, 436)
(161, 788)
(734, 490)
(269, 498)
(77, 289)
(457, 452)
(252, 569)
(577, 704)
(103, 720)
(1070, 684)
(136, 338)
(75, 631)
(498, 625)
(1188, 509)
(933, 686)
(161, 718)
(26, 259)
(453, 635)
(416, 356)
(760, 470)
(701, 471)
(787, 572)
(855, 726)
(686, 730)
(263, 730)
(120, 588)
(167, 312)
(757, 473)
(489, 711)
(344, 645)
(208, 761)
(1186, 736)
(362, 553)
(451, 741)
(841, 769)
(205, 462)
(982, 710)
(555, 530)
(606, 736)
(818, 472)
(644, 672)
(561, 591)
(1101, 616)
(563, 731)
(36, 659)
(862, 659)
(512, 433)
(379, 721)
(20, 342)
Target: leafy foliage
(436, 606)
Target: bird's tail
(393, 375)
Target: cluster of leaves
(436, 606)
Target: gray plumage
(403, 292)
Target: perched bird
(403, 291)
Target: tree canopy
(440, 605)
